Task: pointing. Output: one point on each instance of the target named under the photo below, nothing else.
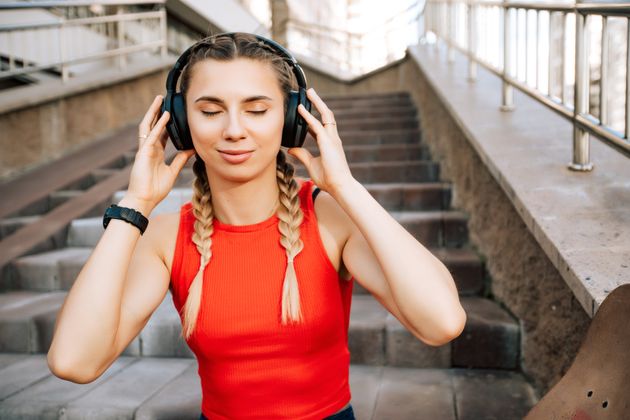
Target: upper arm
(359, 260)
(144, 289)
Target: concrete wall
(34, 135)
(522, 278)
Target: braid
(290, 218)
(202, 238)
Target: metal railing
(79, 32)
(544, 51)
(357, 52)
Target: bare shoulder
(163, 235)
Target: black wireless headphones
(295, 127)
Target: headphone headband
(173, 75)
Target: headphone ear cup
(301, 124)
(289, 129)
(180, 122)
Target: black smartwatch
(128, 215)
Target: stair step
(393, 171)
(464, 265)
(375, 337)
(27, 320)
(374, 96)
(10, 225)
(160, 388)
(371, 112)
(375, 152)
(334, 103)
(383, 136)
(48, 271)
(59, 197)
(376, 123)
(103, 173)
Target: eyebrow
(221, 101)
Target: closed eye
(214, 113)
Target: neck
(245, 203)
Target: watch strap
(127, 214)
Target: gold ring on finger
(333, 123)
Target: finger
(164, 139)
(314, 126)
(156, 132)
(147, 122)
(303, 155)
(325, 112)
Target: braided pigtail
(290, 218)
(202, 238)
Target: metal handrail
(117, 46)
(73, 3)
(440, 20)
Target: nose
(234, 129)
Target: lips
(235, 156)
(235, 152)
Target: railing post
(163, 32)
(472, 43)
(581, 159)
(449, 31)
(62, 51)
(628, 81)
(603, 80)
(122, 58)
(507, 93)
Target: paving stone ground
(169, 388)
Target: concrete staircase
(393, 375)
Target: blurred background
(495, 132)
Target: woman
(260, 275)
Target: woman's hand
(330, 169)
(151, 179)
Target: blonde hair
(289, 212)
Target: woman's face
(235, 106)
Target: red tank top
(251, 366)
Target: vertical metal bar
(517, 37)
(472, 43)
(581, 159)
(62, 52)
(603, 80)
(11, 56)
(163, 32)
(526, 46)
(537, 58)
(449, 31)
(550, 55)
(122, 58)
(563, 92)
(507, 97)
(628, 78)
